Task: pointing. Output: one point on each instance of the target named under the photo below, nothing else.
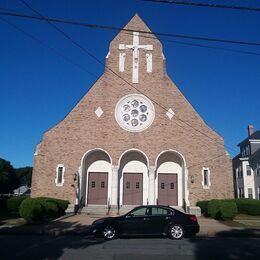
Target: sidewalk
(79, 225)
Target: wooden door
(97, 188)
(168, 189)
(133, 189)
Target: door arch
(96, 178)
(133, 178)
(171, 179)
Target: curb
(86, 233)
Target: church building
(133, 139)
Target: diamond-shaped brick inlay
(99, 112)
(170, 113)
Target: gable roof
(255, 136)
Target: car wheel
(176, 231)
(109, 233)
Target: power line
(114, 73)
(234, 7)
(104, 27)
(199, 45)
(47, 46)
(186, 43)
(80, 67)
(61, 55)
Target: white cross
(135, 47)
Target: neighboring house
(246, 167)
(22, 190)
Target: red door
(97, 188)
(168, 189)
(133, 189)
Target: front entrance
(97, 188)
(133, 189)
(168, 189)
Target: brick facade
(81, 130)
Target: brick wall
(81, 130)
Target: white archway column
(114, 186)
(151, 193)
(186, 191)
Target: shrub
(51, 209)
(62, 205)
(31, 210)
(204, 206)
(254, 210)
(214, 208)
(14, 203)
(228, 209)
(248, 206)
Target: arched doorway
(170, 179)
(133, 177)
(96, 178)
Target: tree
(24, 175)
(8, 179)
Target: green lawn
(243, 220)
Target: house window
(128, 184)
(59, 180)
(137, 185)
(247, 150)
(172, 185)
(248, 170)
(250, 193)
(93, 184)
(240, 192)
(102, 184)
(258, 169)
(240, 173)
(206, 178)
(162, 186)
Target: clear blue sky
(38, 88)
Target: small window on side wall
(205, 178)
(59, 180)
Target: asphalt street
(80, 247)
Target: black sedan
(147, 220)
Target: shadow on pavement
(233, 244)
(36, 241)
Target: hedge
(62, 205)
(214, 208)
(228, 209)
(31, 210)
(34, 209)
(204, 206)
(248, 206)
(14, 203)
(51, 209)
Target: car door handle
(146, 218)
(167, 217)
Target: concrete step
(98, 210)
(113, 211)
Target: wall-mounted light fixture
(192, 179)
(75, 176)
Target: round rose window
(134, 113)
